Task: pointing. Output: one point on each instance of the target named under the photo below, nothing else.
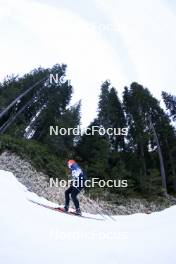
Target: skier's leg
(67, 197)
(74, 194)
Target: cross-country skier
(75, 187)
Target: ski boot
(66, 209)
(78, 212)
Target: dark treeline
(146, 156)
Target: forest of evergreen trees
(146, 157)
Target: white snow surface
(31, 234)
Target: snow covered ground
(30, 234)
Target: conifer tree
(170, 102)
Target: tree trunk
(144, 169)
(162, 170)
(20, 97)
(173, 171)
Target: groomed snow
(30, 234)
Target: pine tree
(45, 105)
(170, 102)
(103, 105)
(94, 152)
(111, 114)
(135, 103)
(149, 129)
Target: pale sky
(120, 40)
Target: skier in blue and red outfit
(76, 185)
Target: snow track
(32, 234)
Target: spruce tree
(170, 102)
(149, 129)
(111, 114)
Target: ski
(61, 210)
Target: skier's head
(70, 163)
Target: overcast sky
(120, 40)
